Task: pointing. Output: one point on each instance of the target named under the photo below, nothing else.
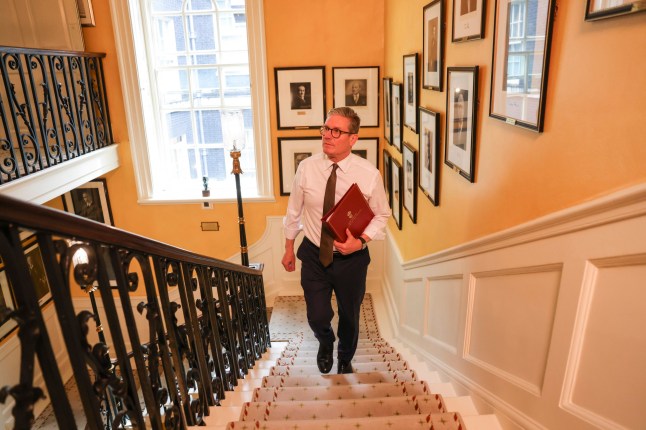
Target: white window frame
(138, 101)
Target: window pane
(166, 5)
(210, 127)
(201, 32)
(199, 5)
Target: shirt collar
(344, 165)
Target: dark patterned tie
(327, 241)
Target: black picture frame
(411, 91)
(461, 120)
(396, 180)
(520, 64)
(429, 154)
(409, 181)
(8, 300)
(433, 45)
(388, 127)
(387, 166)
(293, 150)
(91, 201)
(468, 20)
(291, 113)
(397, 111)
(596, 10)
(38, 274)
(362, 83)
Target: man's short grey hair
(346, 112)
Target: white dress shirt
(305, 207)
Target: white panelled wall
(543, 323)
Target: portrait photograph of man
(355, 92)
(301, 95)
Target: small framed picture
(600, 9)
(291, 151)
(36, 268)
(7, 299)
(300, 97)
(461, 101)
(367, 148)
(429, 150)
(397, 109)
(411, 91)
(395, 193)
(358, 88)
(91, 201)
(521, 63)
(388, 186)
(388, 125)
(433, 43)
(468, 20)
(409, 160)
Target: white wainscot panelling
(443, 315)
(606, 374)
(510, 322)
(411, 317)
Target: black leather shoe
(324, 358)
(344, 367)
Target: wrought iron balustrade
(53, 108)
(174, 330)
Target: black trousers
(346, 277)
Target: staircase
(285, 390)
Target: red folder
(351, 211)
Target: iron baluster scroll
(157, 350)
(53, 108)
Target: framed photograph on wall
(599, 9)
(7, 299)
(388, 126)
(367, 148)
(409, 161)
(433, 43)
(387, 161)
(291, 151)
(300, 97)
(91, 201)
(358, 88)
(468, 20)
(396, 191)
(521, 63)
(461, 102)
(429, 154)
(411, 91)
(36, 267)
(397, 115)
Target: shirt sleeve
(379, 205)
(292, 225)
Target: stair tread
(342, 408)
(439, 421)
(341, 391)
(365, 358)
(327, 380)
(312, 369)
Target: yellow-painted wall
(324, 33)
(594, 140)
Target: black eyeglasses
(335, 132)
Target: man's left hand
(351, 244)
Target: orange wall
(594, 139)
